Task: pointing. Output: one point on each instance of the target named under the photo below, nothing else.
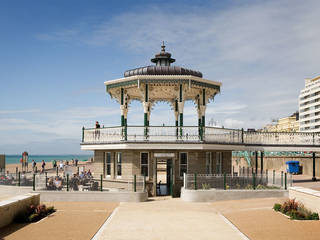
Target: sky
(56, 55)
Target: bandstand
(165, 153)
(161, 153)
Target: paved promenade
(167, 218)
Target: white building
(309, 106)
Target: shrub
(295, 210)
(289, 205)
(206, 186)
(277, 207)
(34, 213)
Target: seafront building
(285, 124)
(309, 106)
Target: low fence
(72, 182)
(266, 180)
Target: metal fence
(71, 182)
(249, 180)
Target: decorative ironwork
(191, 134)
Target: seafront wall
(78, 196)
(212, 195)
(278, 163)
(9, 208)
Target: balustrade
(194, 134)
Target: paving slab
(73, 220)
(258, 221)
(167, 219)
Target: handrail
(197, 134)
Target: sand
(12, 167)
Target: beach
(49, 168)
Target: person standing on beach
(34, 164)
(43, 166)
(54, 163)
(76, 162)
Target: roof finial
(163, 47)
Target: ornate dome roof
(162, 67)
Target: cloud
(19, 111)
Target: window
(219, 162)
(208, 163)
(144, 163)
(183, 163)
(119, 161)
(107, 164)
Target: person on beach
(34, 164)
(76, 162)
(54, 163)
(61, 165)
(97, 132)
(43, 164)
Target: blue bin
(293, 167)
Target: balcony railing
(194, 134)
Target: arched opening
(135, 113)
(162, 114)
(190, 114)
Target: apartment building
(309, 106)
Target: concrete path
(167, 219)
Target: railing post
(68, 182)
(101, 189)
(57, 170)
(254, 181)
(34, 182)
(184, 181)
(224, 181)
(19, 180)
(242, 135)
(195, 181)
(135, 183)
(285, 181)
(281, 178)
(82, 133)
(171, 183)
(46, 178)
(273, 177)
(267, 176)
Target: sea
(47, 158)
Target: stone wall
(279, 163)
(10, 208)
(131, 165)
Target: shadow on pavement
(11, 228)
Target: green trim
(146, 94)
(181, 119)
(122, 120)
(176, 105)
(145, 119)
(203, 124)
(121, 84)
(180, 93)
(203, 97)
(206, 85)
(122, 96)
